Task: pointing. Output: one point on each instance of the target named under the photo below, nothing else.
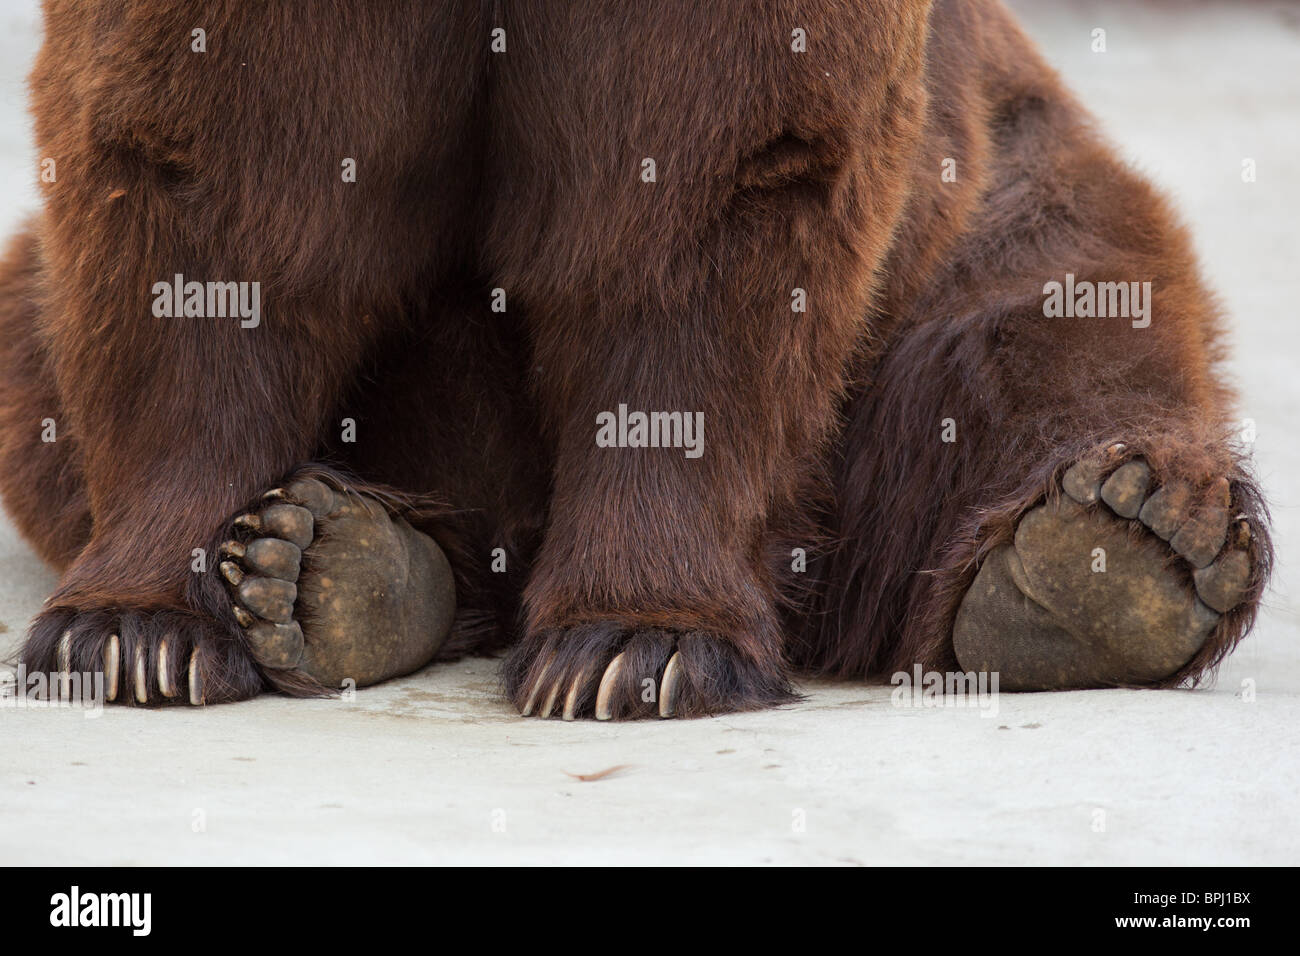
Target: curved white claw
(668, 686)
(164, 670)
(64, 652)
(63, 657)
(196, 681)
(112, 665)
(604, 709)
(571, 698)
(537, 689)
(547, 707)
(141, 675)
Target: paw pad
(1088, 594)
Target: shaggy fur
(521, 171)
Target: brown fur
(520, 171)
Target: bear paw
(613, 672)
(329, 587)
(144, 656)
(1120, 581)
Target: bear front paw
(144, 657)
(613, 671)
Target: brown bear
(322, 293)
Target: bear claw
(249, 523)
(612, 671)
(140, 674)
(604, 709)
(531, 701)
(165, 686)
(571, 699)
(668, 686)
(195, 681)
(64, 653)
(231, 572)
(112, 664)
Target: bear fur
(523, 170)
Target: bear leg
(40, 473)
(715, 294)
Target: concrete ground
(436, 768)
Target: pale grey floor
(435, 768)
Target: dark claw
(232, 549)
(231, 572)
(249, 523)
